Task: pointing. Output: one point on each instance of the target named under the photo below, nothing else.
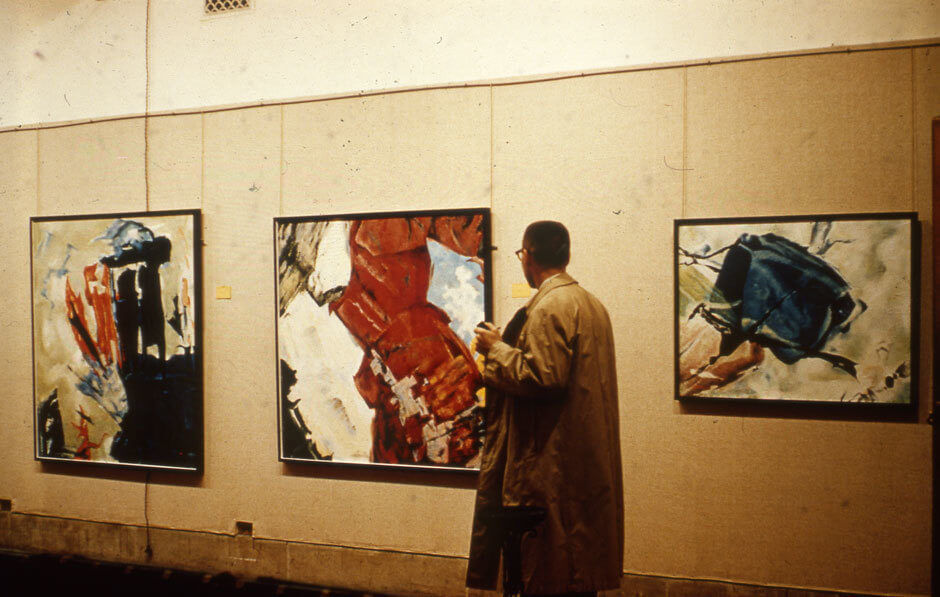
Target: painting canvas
(803, 309)
(116, 339)
(375, 319)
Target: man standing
(552, 436)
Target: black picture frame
(816, 310)
(117, 339)
(420, 253)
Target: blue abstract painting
(812, 309)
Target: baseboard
(348, 568)
(342, 567)
(641, 585)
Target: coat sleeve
(540, 365)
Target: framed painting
(117, 346)
(814, 309)
(375, 319)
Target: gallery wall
(765, 496)
(75, 59)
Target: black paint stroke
(160, 426)
(51, 433)
(295, 432)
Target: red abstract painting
(375, 315)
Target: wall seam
(148, 550)
(38, 169)
(280, 212)
(914, 190)
(492, 150)
(147, 107)
(287, 560)
(685, 137)
(146, 163)
(202, 169)
(280, 176)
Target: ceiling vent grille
(214, 7)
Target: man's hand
(487, 335)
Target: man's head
(546, 248)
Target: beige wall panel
(18, 198)
(105, 496)
(92, 168)
(604, 155)
(400, 512)
(688, 511)
(33, 487)
(765, 500)
(598, 154)
(241, 197)
(425, 150)
(175, 154)
(820, 504)
(746, 157)
(421, 150)
(926, 109)
(83, 169)
(244, 480)
(804, 135)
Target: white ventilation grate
(214, 7)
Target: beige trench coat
(553, 440)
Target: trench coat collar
(557, 281)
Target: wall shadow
(112, 472)
(863, 413)
(370, 473)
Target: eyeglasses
(519, 253)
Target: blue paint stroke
(456, 288)
(58, 272)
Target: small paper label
(223, 292)
(521, 291)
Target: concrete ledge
(639, 585)
(347, 568)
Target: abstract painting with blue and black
(116, 342)
(815, 309)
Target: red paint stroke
(99, 350)
(75, 314)
(701, 365)
(98, 295)
(184, 293)
(385, 308)
(83, 452)
(459, 235)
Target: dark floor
(39, 575)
